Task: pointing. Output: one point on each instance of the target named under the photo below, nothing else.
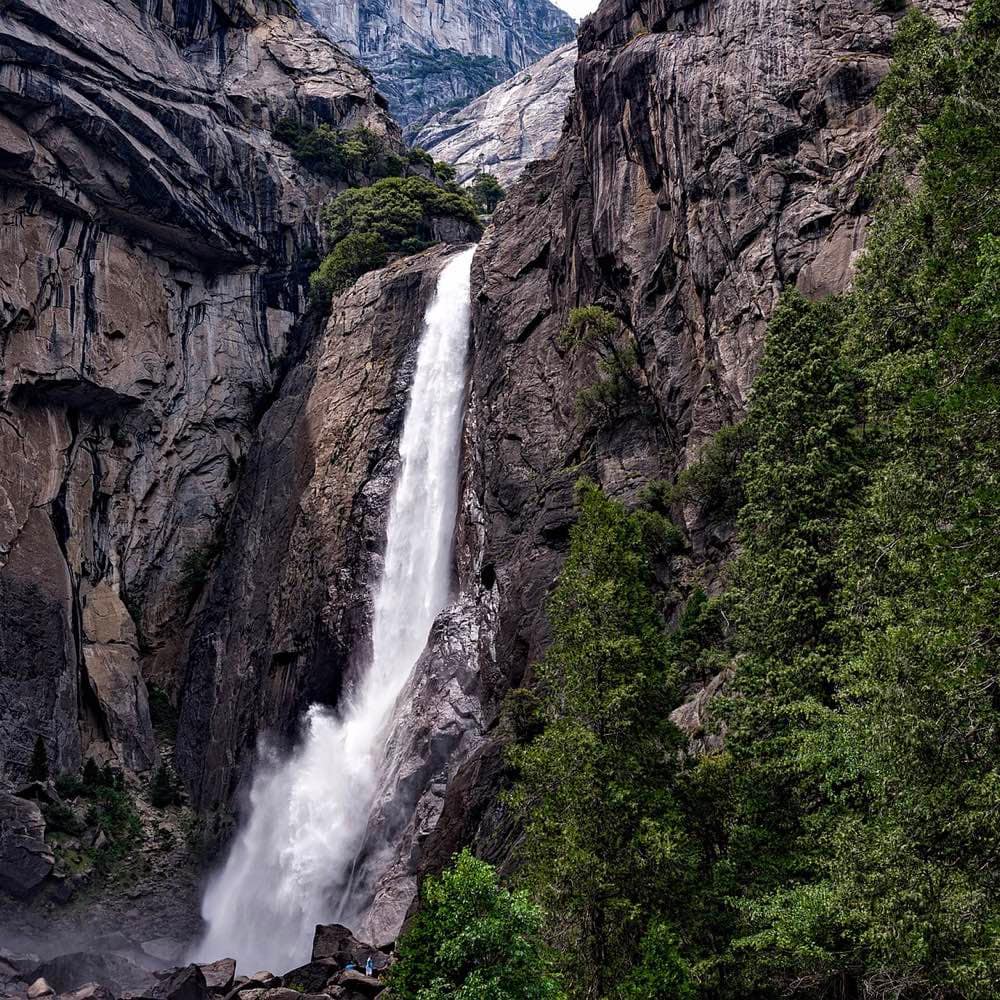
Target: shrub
(487, 192)
(472, 939)
(396, 214)
(713, 482)
(352, 257)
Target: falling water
(291, 862)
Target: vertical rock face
(425, 56)
(516, 122)
(288, 612)
(714, 156)
(149, 233)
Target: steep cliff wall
(288, 612)
(714, 155)
(426, 56)
(148, 292)
(518, 121)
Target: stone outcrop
(25, 861)
(150, 238)
(515, 123)
(428, 56)
(288, 612)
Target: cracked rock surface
(150, 234)
(516, 122)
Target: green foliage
(713, 482)
(662, 973)
(603, 852)
(353, 256)
(594, 329)
(444, 171)
(352, 155)
(863, 775)
(365, 225)
(164, 790)
(471, 940)
(487, 192)
(420, 158)
(38, 766)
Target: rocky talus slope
(150, 286)
(427, 56)
(515, 123)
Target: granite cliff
(151, 283)
(427, 56)
(515, 123)
(196, 469)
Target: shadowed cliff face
(149, 285)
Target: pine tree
(163, 792)
(38, 768)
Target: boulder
(220, 975)
(25, 861)
(67, 972)
(358, 984)
(187, 983)
(312, 977)
(89, 991)
(336, 942)
(39, 988)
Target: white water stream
(290, 865)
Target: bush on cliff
(396, 215)
(472, 939)
(352, 154)
(487, 192)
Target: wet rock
(336, 943)
(187, 983)
(357, 984)
(219, 975)
(25, 860)
(113, 972)
(89, 991)
(38, 989)
(312, 977)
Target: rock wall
(426, 56)
(288, 613)
(515, 123)
(714, 155)
(150, 234)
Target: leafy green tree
(472, 940)
(604, 850)
(352, 257)
(594, 329)
(487, 192)
(395, 215)
(38, 766)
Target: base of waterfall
(336, 971)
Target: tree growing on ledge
(487, 192)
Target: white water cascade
(290, 864)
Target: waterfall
(289, 866)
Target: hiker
(369, 967)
